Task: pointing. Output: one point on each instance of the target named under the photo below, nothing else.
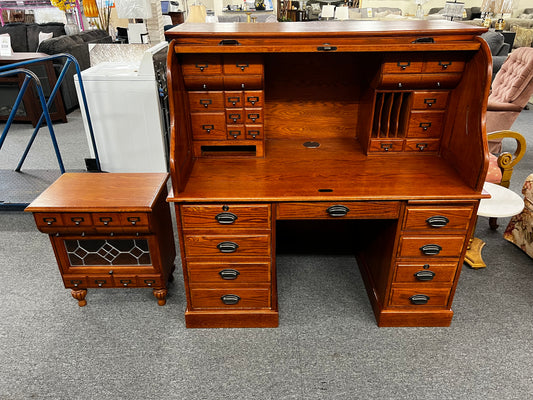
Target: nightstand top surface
(101, 192)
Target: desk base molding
(236, 319)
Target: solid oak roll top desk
(377, 123)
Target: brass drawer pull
(437, 221)
(403, 65)
(230, 299)
(337, 211)
(226, 218)
(425, 125)
(205, 102)
(419, 299)
(253, 117)
(208, 128)
(431, 249)
(77, 220)
(425, 276)
(234, 100)
(252, 100)
(106, 220)
(227, 247)
(229, 274)
(430, 102)
(134, 220)
(234, 117)
(201, 67)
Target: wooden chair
(501, 165)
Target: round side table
(502, 203)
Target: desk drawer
(431, 246)
(227, 245)
(416, 297)
(230, 298)
(206, 101)
(346, 210)
(430, 100)
(227, 216)
(438, 218)
(424, 273)
(228, 272)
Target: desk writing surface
(292, 172)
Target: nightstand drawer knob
(437, 221)
(229, 274)
(77, 220)
(149, 282)
(419, 299)
(226, 218)
(230, 299)
(337, 211)
(425, 275)
(50, 220)
(134, 220)
(125, 282)
(100, 283)
(430, 249)
(227, 247)
(106, 220)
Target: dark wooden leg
(493, 223)
(79, 294)
(161, 296)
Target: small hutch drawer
(201, 64)
(430, 100)
(202, 83)
(425, 124)
(208, 126)
(240, 64)
(422, 145)
(206, 101)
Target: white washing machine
(127, 120)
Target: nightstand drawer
(425, 273)
(416, 297)
(228, 272)
(437, 218)
(230, 298)
(227, 245)
(135, 222)
(431, 246)
(227, 216)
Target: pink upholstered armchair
(511, 89)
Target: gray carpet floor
(122, 345)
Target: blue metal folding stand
(15, 69)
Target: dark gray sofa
(25, 38)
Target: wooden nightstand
(109, 231)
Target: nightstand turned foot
(79, 294)
(161, 296)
